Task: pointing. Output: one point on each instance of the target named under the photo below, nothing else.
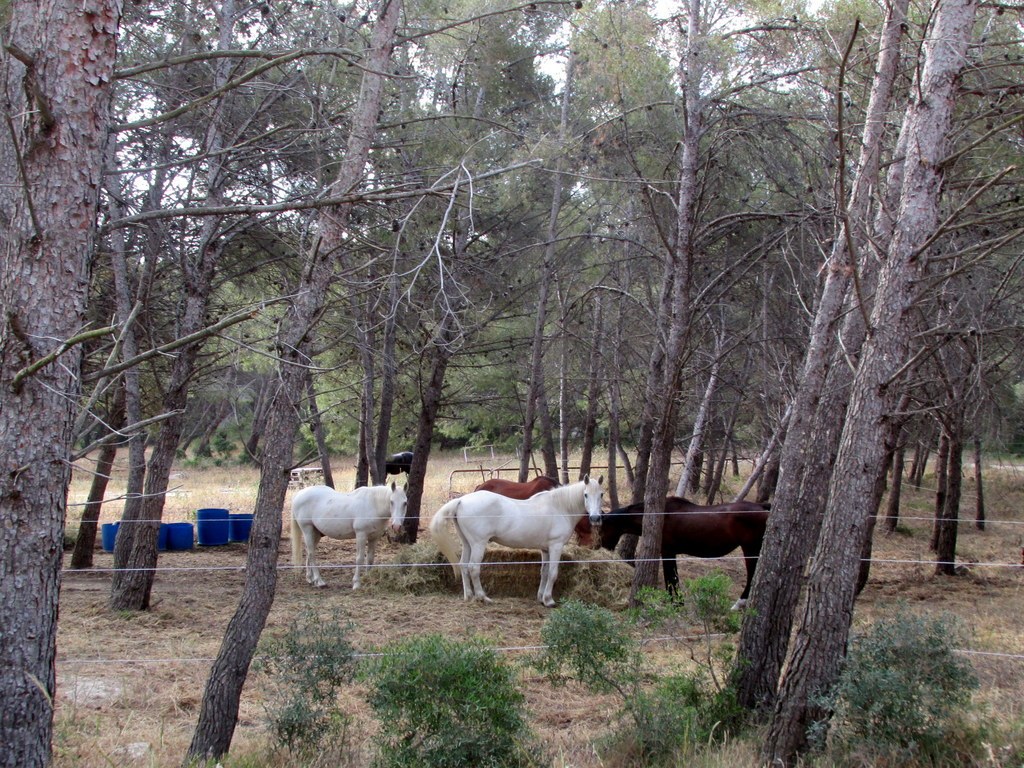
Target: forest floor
(130, 684)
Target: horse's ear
(600, 480)
(405, 486)
(586, 478)
(392, 486)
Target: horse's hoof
(320, 584)
(739, 605)
(548, 603)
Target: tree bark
(941, 485)
(678, 271)
(441, 349)
(892, 508)
(316, 426)
(85, 542)
(535, 390)
(56, 65)
(593, 375)
(821, 639)
(218, 715)
(388, 377)
(691, 469)
(803, 469)
(979, 504)
(948, 516)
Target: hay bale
(592, 576)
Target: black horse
(398, 463)
(691, 529)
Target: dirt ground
(130, 685)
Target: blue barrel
(161, 538)
(239, 526)
(212, 527)
(180, 536)
(108, 535)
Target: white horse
(544, 521)
(320, 511)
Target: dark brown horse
(514, 490)
(691, 529)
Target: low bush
(448, 704)
(665, 718)
(903, 695)
(306, 667)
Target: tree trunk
(979, 516)
(365, 451)
(615, 408)
(430, 403)
(135, 550)
(922, 452)
(219, 711)
(821, 639)
(941, 485)
(57, 63)
(766, 468)
(85, 542)
(691, 469)
(388, 377)
(948, 520)
(812, 429)
(892, 509)
(678, 271)
(316, 426)
(593, 393)
(546, 278)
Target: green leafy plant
(903, 692)
(307, 666)
(448, 704)
(663, 717)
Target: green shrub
(448, 704)
(903, 693)
(591, 645)
(664, 719)
(307, 666)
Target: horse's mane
(564, 495)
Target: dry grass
(130, 685)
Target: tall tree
(794, 523)
(219, 712)
(669, 358)
(56, 65)
(813, 664)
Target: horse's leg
(311, 537)
(361, 550)
(545, 559)
(554, 555)
(750, 557)
(467, 591)
(671, 570)
(476, 557)
(371, 549)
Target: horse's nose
(396, 528)
(595, 519)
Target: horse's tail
(296, 543)
(442, 534)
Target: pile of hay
(593, 576)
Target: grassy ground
(129, 685)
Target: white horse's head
(593, 495)
(399, 501)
